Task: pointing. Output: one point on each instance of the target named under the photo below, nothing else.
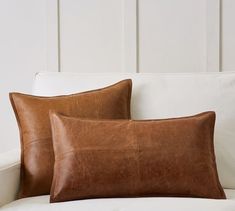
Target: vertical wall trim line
(220, 36)
(213, 31)
(124, 50)
(51, 25)
(130, 51)
(59, 35)
(137, 36)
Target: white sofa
(154, 96)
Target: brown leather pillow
(121, 158)
(32, 114)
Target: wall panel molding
(227, 35)
(53, 33)
(130, 35)
(213, 35)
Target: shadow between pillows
(128, 158)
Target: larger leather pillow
(172, 157)
(32, 114)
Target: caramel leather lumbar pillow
(121, 158)
(32, 114)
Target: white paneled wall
(109, 36)
(172, 38)
(91, 35)
(146, 35)
(22, 54)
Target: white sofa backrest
(166, 95)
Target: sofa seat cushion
(125, 204)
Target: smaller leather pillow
(32, 114)
(121, 158)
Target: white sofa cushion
(163, 96)
(9, 176)
(127, 204)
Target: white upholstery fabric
(9, 176)
(126, 204)
(167, 95)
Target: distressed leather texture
(32, 114)
(127, 158)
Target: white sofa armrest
(9, 176)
